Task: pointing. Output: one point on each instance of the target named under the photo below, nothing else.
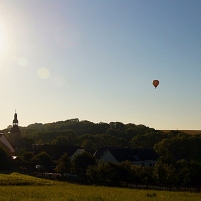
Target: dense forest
(91, 136)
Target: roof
(5, 141)
(22, 143)
(123, 154)
(15, 129)
(55, 151)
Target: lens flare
(43, 73)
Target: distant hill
(191, 132)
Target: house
(6, 146)
(56, 151)
(99, 152)
(144, 157)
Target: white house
(144, 157)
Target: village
(108, 165)
(12, 142)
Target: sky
(95, 60)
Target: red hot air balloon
(155, 83)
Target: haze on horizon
(95, 60)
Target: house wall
(107, 157)
(148, 163)
(79, 151)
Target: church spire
(14, 135)
(15, 120)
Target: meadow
(18, 187)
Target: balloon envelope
(155, 83)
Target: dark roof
(56, 151)
(123, 154)
(15, 129)
(22, 143)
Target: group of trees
(181, 174)
(176, 175)
(64, 165)
(166, 172)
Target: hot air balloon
(155, 83)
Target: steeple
(15, 128)
(15, 120)
(14, 135)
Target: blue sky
(95, 60)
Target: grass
(20, 179)
(42, 189)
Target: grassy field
(26, 188)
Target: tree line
(91, 136)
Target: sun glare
(1, 39)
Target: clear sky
(95, 60)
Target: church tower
(14, 135)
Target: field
(17, 187)
(191, 132)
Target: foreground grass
(72, 192)
(20, 179)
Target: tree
(27, 156)
(88, 145)
(138, 141)
(165, 174)
(43, 159)
(61, 140)
(107, 140)
(125, 171)
(82, 161)
(102, 174)
(105, 174)
(3, 160)
(130, 133)
(64, 164)
(189, 173)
